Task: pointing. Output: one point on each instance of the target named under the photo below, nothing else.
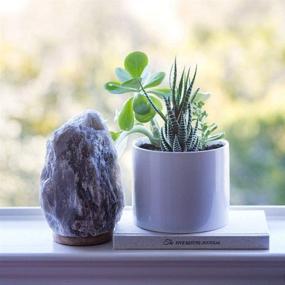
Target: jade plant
(172, 118)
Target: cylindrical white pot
(181, 192)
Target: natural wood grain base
(81, 241)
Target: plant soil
(152, 147)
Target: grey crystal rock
(81, 191)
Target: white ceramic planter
(181, 192)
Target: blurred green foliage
(55, 57)
(258, 159)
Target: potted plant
(181, 166)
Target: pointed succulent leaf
(194, 96)
(122, 74)
(194, 139)
(185, 87)
(126, 116)
(195, 144)
(193, 79)
(189, 140)
(162, 146)
(194, 136)
(182, 132)
(189, 120)
(180, 87)
(196, 128)
(187, 95)
(154, 80)
(171, 116)
(135, 63)
(174, 86)
(166, 129)
(170, 133)
(163, 139)
(176, 145)
(187, 79)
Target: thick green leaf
(156, 102)
(141, 105)
(117, 88)
(122, 74)
(140, 130)
(132, 83)
(126, 115)
(145, 111)
(135, 63)
(115, 135)
(145, 118)
(155, 80)
(161, 92)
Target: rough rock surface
(81, 191)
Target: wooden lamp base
(83, 241)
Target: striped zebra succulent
(184, 126)
(179, 132)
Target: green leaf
(155, 80)
(132, 83)
(156, 102)
(140, 130)
(141, 105)
(145, 118)
(117, 88)
(202, 96)
(161, 92)
(115, 135)
(126, 115)
(212, 127)
(135, 63)
(143, 110)
(216, 136)
(155, 128)
(122, 74)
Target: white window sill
(28, 256)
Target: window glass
(55, 57)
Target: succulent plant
(184, 125)
(185, 128)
